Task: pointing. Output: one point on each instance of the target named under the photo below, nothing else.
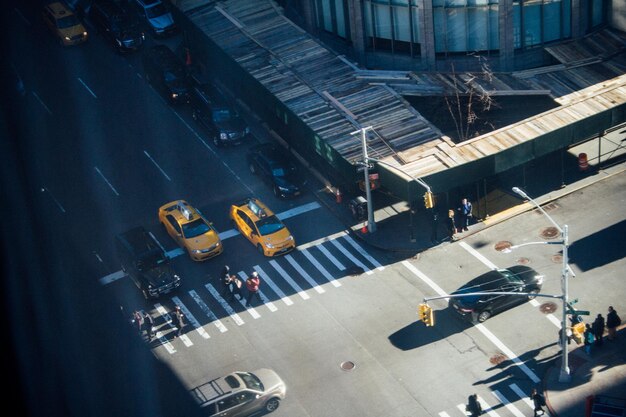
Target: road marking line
(316, 242)
(42, 103)
(331, 257)
(298, 210)
(157, 165)
(444, 414)
(514, 410)
(107, 181)
(320, 268)
(264, 299)
(168, 346)
(54, 199)
(174, 253)
(550, 316)
(304, 274)
(462, 408)
(228, 234)
(191, 318)
(363, 253)
(480, 327)
(232, 313)
(291, 282)
(163, 312)
(349, 256)
(207, 311)
(275, 287)
(523, 396)
(487, 408)
(112, 277)
(478, 256)
(157, 241)
(88, 89)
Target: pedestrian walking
(137, 321)
(450, 225)
(538, 401)
(473, 406)
(252, 284)
(225, 280)
(148, 325)
(598, 329)
(589, 338)
(179, 321)
(465, 214)
(612, 321)
(434, 225)
(236, 288)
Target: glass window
(494, 38)
(517, 24)
(327, 16)
(382, 21)
(567, 18)
(402, 24)
(440, 29)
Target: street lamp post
(564, 375)
(371, 223)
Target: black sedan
(516, 279)
(276, 168)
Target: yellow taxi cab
(64, 24)
(262, 228)
(188, 227)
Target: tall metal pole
(371, 223)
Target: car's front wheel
(533, 294)
(260, 248)
(272, 404)
(483, 316)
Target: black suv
(211, 110)
(167, 74)
(146, 263)
(117, 24)
(276, 168)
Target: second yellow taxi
(262, 228)
(188, 227)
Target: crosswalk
(309, 271)
(506, 401)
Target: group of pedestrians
(457, 221)
(232, 286)
(143, 322)
(594, 333)
(475, 409)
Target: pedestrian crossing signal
(428, 200)
(426, 315)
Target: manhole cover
(347, 365)
(523, 261)
(557, 259)
(547, 308)
(502, 246)
(549, 232)
(497, 359)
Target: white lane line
(462, 408)
(107, 181)
(478, 256)
(87, 87)
(163, 312)
(42, 103)
(265, 300)
(44, 189)
(157, 165)
(112, 277)
(275, 287)
(174, 253)
(291, 282)
(304, 274)
(22, 16)
(298, 210)
(242, 301)
(480, 327)
(208, 311)
(523, 396)
(363, 253)
(444, 414)
(331, 257)
(320, 268)
(513, 409)
(550, 316)
(228, 234)
(191, 318)
(349, 256)
(98, 257)
(487, 408)
(224, 305)
(316, 242)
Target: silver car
(241, 394)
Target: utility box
(358, 206)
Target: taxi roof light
(184, 209)
(256, 209)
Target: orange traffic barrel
(583, 164)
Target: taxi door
(243, 224)
(174, 230)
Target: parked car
(158, 17)
(117, 24)
(211, 110)
(167, 74)
(276, 168)
(64, 24)
(262, 228)
(188, 227)
(146, 263)
(516, 279)
(241, 394)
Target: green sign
(578, 312)
(574, 301)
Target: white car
(158, 17)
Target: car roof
(59, 9)
(255, 209)
(182, 211)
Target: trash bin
(358, 206)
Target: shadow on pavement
(600, 248)
(416, 334)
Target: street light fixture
(564, 375)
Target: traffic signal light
(578, 332)
(428, 200)
(426, 315)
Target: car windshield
(152, 260)
(283, 171)
(68, 21)
(222, 115)
(251, 381)
(156, 11)
(195, 228)
(269, 225)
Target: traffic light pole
(371, 223)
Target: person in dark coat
(450, 225)
(148, 325)
(473, 406)
(465, 214)
(226, 281)
(538, 402)
(179, 321)
(598, 329)
(612, 321)
(235, 288)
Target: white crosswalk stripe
(514, 410)
(265, 300)
(331, 257)
(487, 408)
(190, 317)
(444, 414)
(163, 312)
(363, 253)
(350, 256)
(242, 300)
(523, 396)
(163, 340)
(208, 311)
(461, 407)
(238, 320)
(320, 268)
(304, 274)
(291, 282)
(274, 287)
